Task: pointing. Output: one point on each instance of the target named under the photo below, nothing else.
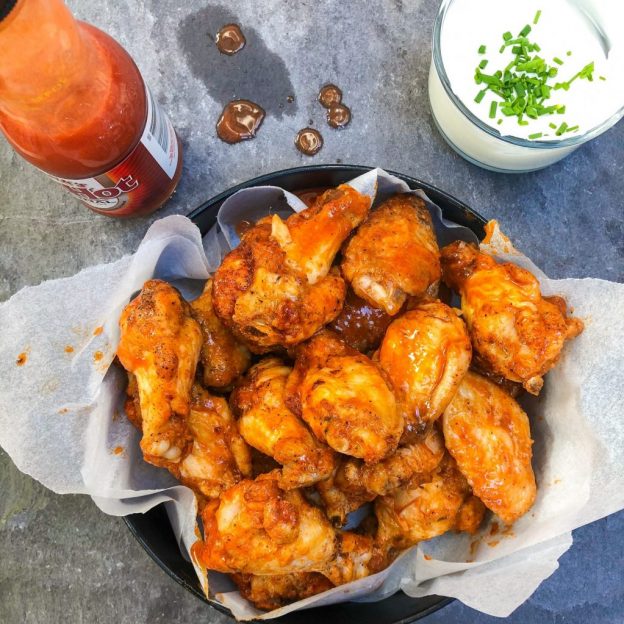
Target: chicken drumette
(277, 287)
(345, 398)
(269, 426)
(393, 254)
(426, 352)
(160, 344)
(223, 358)
(515, 331)
(488, 434)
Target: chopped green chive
(507, 36)
(553, 126)
(480, 96)
(499, 122)
(525, 31)
(569, 52)
(483, 64)
(561, 129)
(535, 135)
(536, 18)
(482, 49)
(602, 77)
(561, 110)
(558, 60)
(493, 107)
(572, 129)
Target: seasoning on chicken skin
(393, 254)
(277, 288)
(425, 352)
(257, 528)
(421, 509)
(277, 590)
(160, 344)
(488, 434)
(345, 398)
(516, 331)
(269, 426)
(355, 482)
(223, 358)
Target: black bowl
(152, 529)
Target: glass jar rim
(534, 144)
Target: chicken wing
(223, 358)
(257, 528)
(359, 324)
(345, 398)
(356, 556)
(219, 457)
(488, 434)
(422, 510)
(275, 591)
(515, 331)
(269, 426)
(393, 254)
(355, 482)
(426, 353)
(277, 288)
(160, 344)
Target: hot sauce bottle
(73, 103)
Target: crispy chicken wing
(516, 332)
(488, 433)
(422, 510)
(257, 528)
(275, 591)
(223, 358)
(426, 353)
(160, 344)
(359, 324)
(277, 287)
(345, 398)
(393, 254)
(219, 457)
(269, 426)
(355, 482)
(357, 556)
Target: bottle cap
(5, 7)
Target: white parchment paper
(62, 421)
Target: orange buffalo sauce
(73, 103)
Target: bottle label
(144, 173)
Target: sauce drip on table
(330, 95)
(338, 116)
(230, 39)
(309, 141)
(239, 121)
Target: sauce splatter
(427, 557)
(63, 410)
(494, 528)
(493, 543)
(22, 358)
(309, 141)
(339, 116)
(98, 330)
(242, 227)
(118, 450)
(97, 356)
(473, 546)
(329, 95)
(230, 39)
(239, 121)
(69, 349)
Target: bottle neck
(43, 54)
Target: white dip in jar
(570, 35)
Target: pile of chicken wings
(320, 372)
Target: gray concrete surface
(61, 559)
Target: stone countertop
(62, 559)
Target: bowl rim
(475, 221)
